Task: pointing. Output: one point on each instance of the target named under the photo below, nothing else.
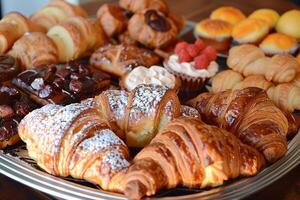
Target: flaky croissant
(139, 115)
(190, 153)
(140, 5)
(250, 60)
(34, 49)
(55, 12)
(75, 141)
(250, 115)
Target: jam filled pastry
(191, 154)
(113, 19)
(13, 107)
(120, 59)
(55, 12)
(75, 141)
(152, 29)
(34, 49)
(9, 68)
(250, 115)
(66, 84)
(140, 5)
(139, 115)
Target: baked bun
(250, 31)
(289, 23)
(229, 14)
(267, 14)
(279, 43)
(140, 5)
(34, 49)
(112, 18)
(152, 29)
(8, 35)
(214, 32)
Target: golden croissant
(250, 60)
(75, 141)
(139, 115)
(250, 115)
(192, 154)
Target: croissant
(8, 36)
(112, 19)
(250, 60)
(75, 141)
(34, 49)
(140, 5)
(250, 115)
(296, 81)
(139, 115)
(190, 153)
(74, 37)
(55, 12)
(224, 80)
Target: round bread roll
(229, 14)
(267, 14)
(289, 23)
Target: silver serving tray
(16, 164)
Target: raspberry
(200, 44)
(184, 56)
(201, 62)
(210, 52)
(193, 50)
(179, 46)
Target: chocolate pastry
(140, 5)
(9, 68)
(120, 59)
(63, 84)
(13, 107)
(112, 18)
(152, 28)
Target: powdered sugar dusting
(101, 140)
(146, 100)
(187, 111)
(115, 160)
(118, 101)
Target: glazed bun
(289, 23)
(250, 31)
(269, 15)
(279, 43)
(229, 14)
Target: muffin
(194, 64)
(250, 31)
(155, 75)
(279, 43)
(289, 23)
(214, 32)
(269, 15)
(229, 14)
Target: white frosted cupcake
(154, 75)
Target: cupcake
(266, 14)
(250, 31)
(155, 75)
(279, 43)
(289, 23)
(215, 33)
(194, 64)
(229, 14)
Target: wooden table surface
(286, 188)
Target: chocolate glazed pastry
(63, 85)
(13, 107)
(152, 28)
(9, 68)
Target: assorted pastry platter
(131, 104)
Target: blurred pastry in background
(279, 43)
(250, 31)
(289, 23)
(152, 29)
(140, 5)
(298, 57)
(267, 14)
(229, 14)
(112, 18)
(214, 32)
